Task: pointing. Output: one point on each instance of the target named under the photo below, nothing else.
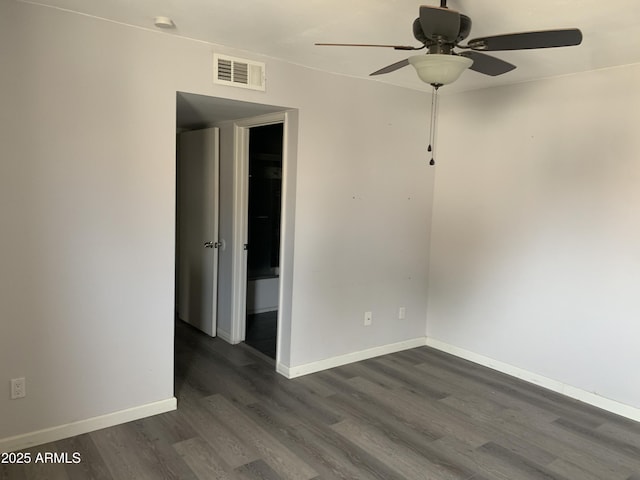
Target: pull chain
(434, 125)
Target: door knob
(209, 245)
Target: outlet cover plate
(18, 388)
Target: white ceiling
(199, 111)
(287, 29)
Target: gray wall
(87, 199)
(535, 258)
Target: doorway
(235, 120)
(263, 235)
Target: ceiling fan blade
(440, 22)
(528, 40)
(391, 68)
(487, 64)
(395, 47)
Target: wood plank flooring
(418, 414)
(262, 332)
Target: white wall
(536, 231)
(362, 218)
(87, 182)
(87, 198)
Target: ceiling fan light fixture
(439, 69)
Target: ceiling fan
(441, 31)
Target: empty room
(317, 240)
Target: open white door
(197, 227)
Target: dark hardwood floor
(418, 414)
(261, 332)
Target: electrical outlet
(402, 313)
(368, 318)
(18, 388)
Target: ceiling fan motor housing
(446, 24)
(465, 28)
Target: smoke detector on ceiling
(163, 22)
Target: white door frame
(240, 226)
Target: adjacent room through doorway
(256, 146)
(263, 261)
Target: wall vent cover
(238, 72)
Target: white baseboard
(573, 392)
(59, 432)
(300, 370)
(224, 335)
(590, 398)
